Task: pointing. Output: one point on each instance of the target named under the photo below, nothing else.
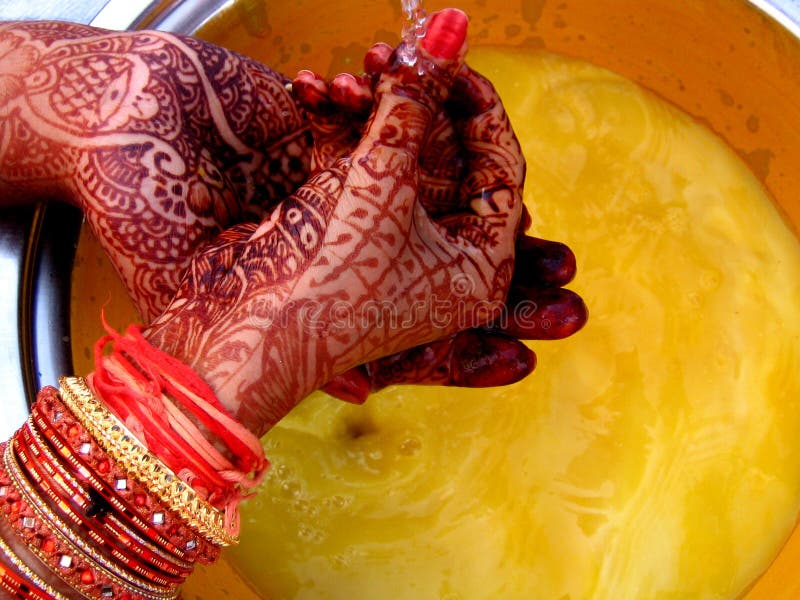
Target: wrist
(171, 410)
(258, 363)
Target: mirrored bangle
(27, 572)
(134, 504)
(72, 489)
(123, 447)
(130, 567)
(78, 546)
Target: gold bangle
(132, 456)
(16, 561)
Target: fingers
(482, 359)
(406, 99)
(345, 93)
(351, 94)
(447, 30)
(351, 386)
(496, 169)
(538, 307)
(378, 59)
(336, 111)
(472, 358)
(488, 212)
(311, 92)
(542, 314)
(439, 59)
(442, 160)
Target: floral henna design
(214, 107)
(163, 140)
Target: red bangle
(137, 507)
(119, 548)
(18, 586)
(84, 503)
(130, 571)
(19, 579)
(92, 466)
(53, 549)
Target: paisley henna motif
(163, 140)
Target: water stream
(414, 28)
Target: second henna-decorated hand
(352, 267)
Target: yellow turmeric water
(652, 455)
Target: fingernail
(446, 33)
(490, 360)
(350, 93)
(543, 263)
(545, 314)
(377, 58)
(351, 386)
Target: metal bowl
(733, 64)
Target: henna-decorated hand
(352, 266)
(538, 306)
(163, 141)
(80, 121)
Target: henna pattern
(537, 307)
(354, 238)
(163, 140)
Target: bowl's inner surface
(720, 61)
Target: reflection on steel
(785, 12)
(13, 226)
(167, 15)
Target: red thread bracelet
(153, 393)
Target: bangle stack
(132, 456)
(106, 483)
(18, 579)
(97, 505)
(88, 521)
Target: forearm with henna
(162, 140)
(165, 140)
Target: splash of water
(414, 28)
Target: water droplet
(410, 446)
(304, 507)
(310, 534)
(282, 472)
(414, 29)
(291, 489)
(337, 502)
